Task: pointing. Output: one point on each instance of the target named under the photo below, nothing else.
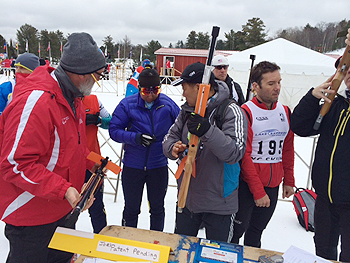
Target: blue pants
(250, 219)
(133, 181)
(97, 210)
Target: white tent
(301, 68)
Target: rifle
(200, 108)
(91, 186)
(252, 57)
(336, 81)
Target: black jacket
(230, 83)
(331, 167)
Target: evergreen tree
(191, 40)
(152, 47)
(254, 31)
(27, 34)
(179, 44)
(203, 40)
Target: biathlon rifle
(188, 161)
(91, 186)
(247, 97)
(336, 81)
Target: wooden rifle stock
(200, 108)
(336, 81)
(91, 186)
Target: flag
(106, 53)
(16, 46)
(39, 49)
(61, 48)
(48, 47)
(141, 55)
(118, 51)
(5, 46)
(27, 49)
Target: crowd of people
(49, 123)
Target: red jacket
(43, 152)
(92, 106)
(260, 175)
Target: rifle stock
(336, 81)
(91, 186)
(200, 108)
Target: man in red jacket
(269, 156)
(43, 150)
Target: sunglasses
(147, 90)
(221, 67)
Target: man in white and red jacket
(43, 150)
(269, 156)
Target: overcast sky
(166, 21)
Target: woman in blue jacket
(140, 122)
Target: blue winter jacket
(131, 118)
(6, 88)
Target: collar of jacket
(262, 105)
(69, 90)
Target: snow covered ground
(282, 231)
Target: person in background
(331, 168)
(269, 157)
(24, 66)
(168, 67)
(140, 121)
(44, 150)
(96, 117)
(132, 87)
(213, 194)
(220, 64)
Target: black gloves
(93, 119)
(197, 124)
(145, 139)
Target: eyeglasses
(101, 75)
(221, 67)
(147, 90)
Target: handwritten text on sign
(128, 251)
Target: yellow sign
(106, 247)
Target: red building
(180, 58)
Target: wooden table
(171, 240)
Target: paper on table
(297, 255)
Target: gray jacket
(217, 156)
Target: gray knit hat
(28, 61)
(81, 55)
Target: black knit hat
(149, 78)
(81, 55)
(193, 73)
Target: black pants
(29, 244)
(133, 181)
(97, 210)
(250, 219)
(217, 227)
(332, 221)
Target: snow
(282, 231)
